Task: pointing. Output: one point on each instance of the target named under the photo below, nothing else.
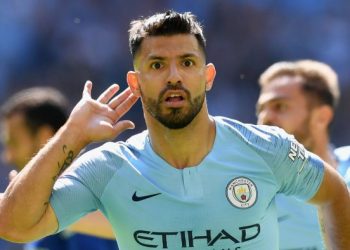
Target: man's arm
(333, 200)
(25, 213)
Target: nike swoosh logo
(144, 197)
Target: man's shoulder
(135, 142)
(138, 140)
(250, 131)
(113, 151)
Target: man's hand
(98, 120)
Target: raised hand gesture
(99, 120)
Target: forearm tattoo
(67, 161)
(63, 166)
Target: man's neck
(185, 147)
(322, 149)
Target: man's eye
(188, 63)
(156, 65)
(281, 107)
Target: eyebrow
(272, 100)
(151, 58)
(187, 55)
(277, 98)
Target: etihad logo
(190, 239)
(241, 192)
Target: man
(301, 97)
(30, 118)
(190, 181)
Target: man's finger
(116, 101)
(87, 89)
(108, 93)
(123, 125)
(125, 106)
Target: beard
(176, 118)
(303, 135)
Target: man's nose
(174, 76)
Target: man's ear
(133, 82)
(323, 116)
(210, 73)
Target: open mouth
(174, 98)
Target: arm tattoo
(67, 161)
(61, 167)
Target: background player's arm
(94, 224)
(25, 213)
(333, 200)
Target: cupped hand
(99, 120)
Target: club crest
(241, 192)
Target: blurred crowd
(63, 43)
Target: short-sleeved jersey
(224, 202)
(299, 225)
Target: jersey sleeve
(297, 171)
(343, 157)
(78, 191)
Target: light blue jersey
(225, 202)
(299, 226)
(347, 177)
(343, 158)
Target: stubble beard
(176, 118)
(304, 136)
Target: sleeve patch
(296, 150)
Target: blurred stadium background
(63, 43)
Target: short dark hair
(39, 105)
(319, 79)
(164, 24)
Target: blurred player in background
(301, 97)
(29, 119)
